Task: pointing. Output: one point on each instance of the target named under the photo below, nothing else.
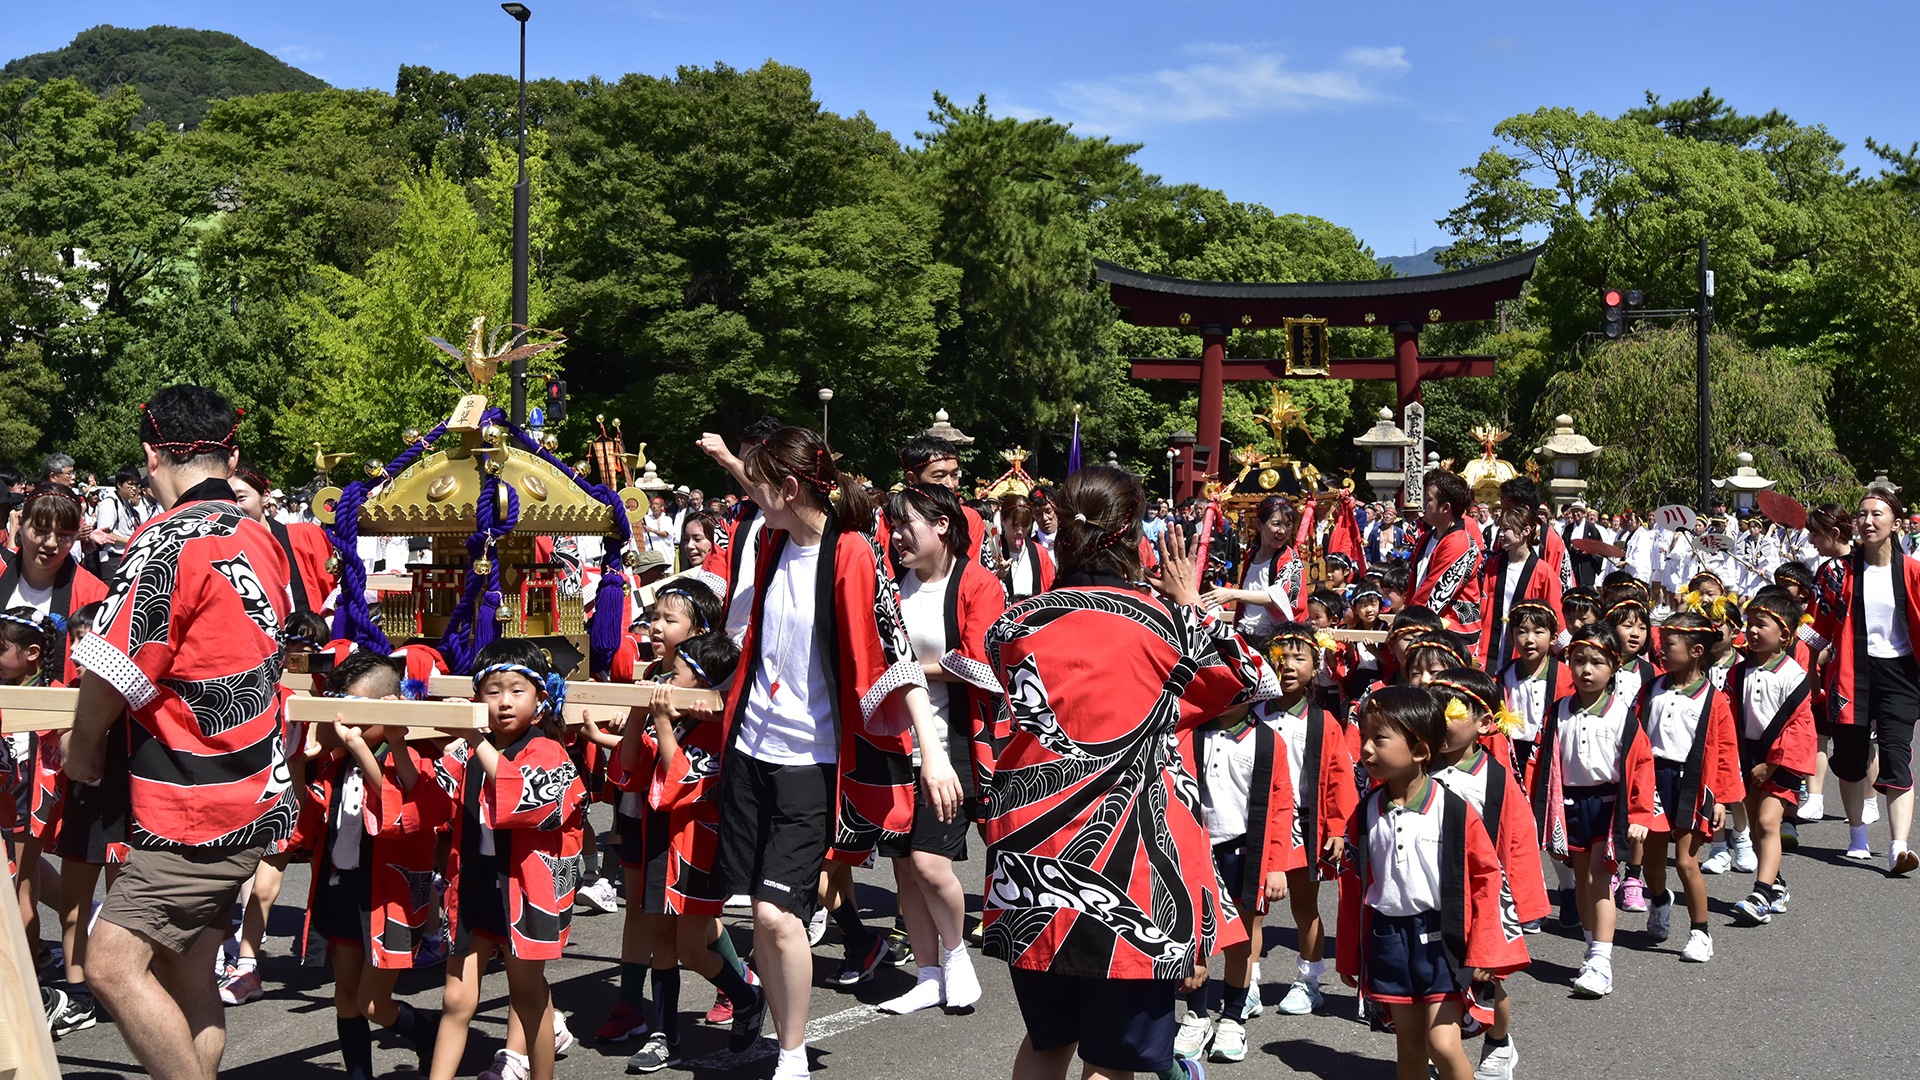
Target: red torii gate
(1215, 308)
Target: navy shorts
(1406, 959)
(1666, 789)
(1229, 861)
(1590, 815)
(1125, 1025)
(644, 851)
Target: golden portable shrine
(1273, 472)
(439, 493)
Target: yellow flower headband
(1319, 639)
(1505, 720)
(1715, 609)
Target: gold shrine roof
(438, 493)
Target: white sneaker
(816, 927)
(1699, 948)
(1254, 1006)
(599, 895)
(1229, 1041)
(1718, 861)
(1190, 1041)
(1595, 979)
(1498, 1063)
(1870, 812)
(1745, 860)
(563, 1039)
(1813, 809)
(1302, 998)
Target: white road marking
(818, 1029)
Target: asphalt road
(1827, 990)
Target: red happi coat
(868, 660)
(190, 638)
(1633, 806)
(1508, 819)
(1450, 584)
(1270, 819)
(1840, 623)
(973, 600)
(1787, 743)
(1538, 581)
(73, 588)
(1099, 863)
(1329, 769)
(1712, 774)
(1475, 926)
(402, 832)
(684, 788)
(307, 550)
(534, 807)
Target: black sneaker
(81, 1012)
(1755, 910)
(899, 948)
(53, 1002)
(749, 1017)
(859, 964)
(655, 1055)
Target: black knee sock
(851, 928)
(356, 1046)
(1493, 1043)
(1702, 927)
(633, 985)
(732, 980)
(666, 1002)
(1197, 1000)
(1634, 870)
(1234, 1007)
(420, 1027)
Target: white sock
(793, 1063)
(960, 987)
(1897, 846)
(1601, 950)
(517, 1057)
(1589, 936)
(1744, 836)
(245, 964)
(1312, 970)
(1857, 837)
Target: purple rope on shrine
(473, 623)
(351, 619)
(610, 601)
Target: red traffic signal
(1613, 298)
(1613, 321)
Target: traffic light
(556, 407)
(1613, 315)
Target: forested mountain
(176, 70)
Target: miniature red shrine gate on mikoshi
(1213, 309)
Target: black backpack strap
(279, 530)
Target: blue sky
(1361, 112)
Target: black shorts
(1126, 1025)
(930, 834)
(1889, 688)
(775, 824)
(1407, 960)
(644, 850)
(1590, 815)
(1666, 790)
(340, 907)
(483, 904)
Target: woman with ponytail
(817, 753)
(1105, 682)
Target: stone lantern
(1386, 447)
(943, 430)
(1745, 484)
(1564, 450)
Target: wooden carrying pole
(630, 695)
(40, 708)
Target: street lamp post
(521, 14)
(826, 395)
(1173, 456)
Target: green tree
(1636, 398)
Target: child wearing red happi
(27, 658)
(685, 748)
(1696, 773)
(1773, 715)
(1470, 701)
(372, 889)
(1324, 794)
(1420, 930)
(1592, 790)
(515, 861)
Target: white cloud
(298, 54)
(1233, 82)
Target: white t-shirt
(745, 549)
(1590, 742)
(1020, 580)
(1511, 589)
(789, 714)
(1293, 732)
(350, 823)
(1259, 620)
(663, 544)
(923, 606)
(1528, 698)
(1886, 631)
(25, 595)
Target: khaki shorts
(171, 895)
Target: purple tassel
(604, 633)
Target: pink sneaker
(241, 989)
(1633, 894)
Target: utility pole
(521, 14)
(1703, 324)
